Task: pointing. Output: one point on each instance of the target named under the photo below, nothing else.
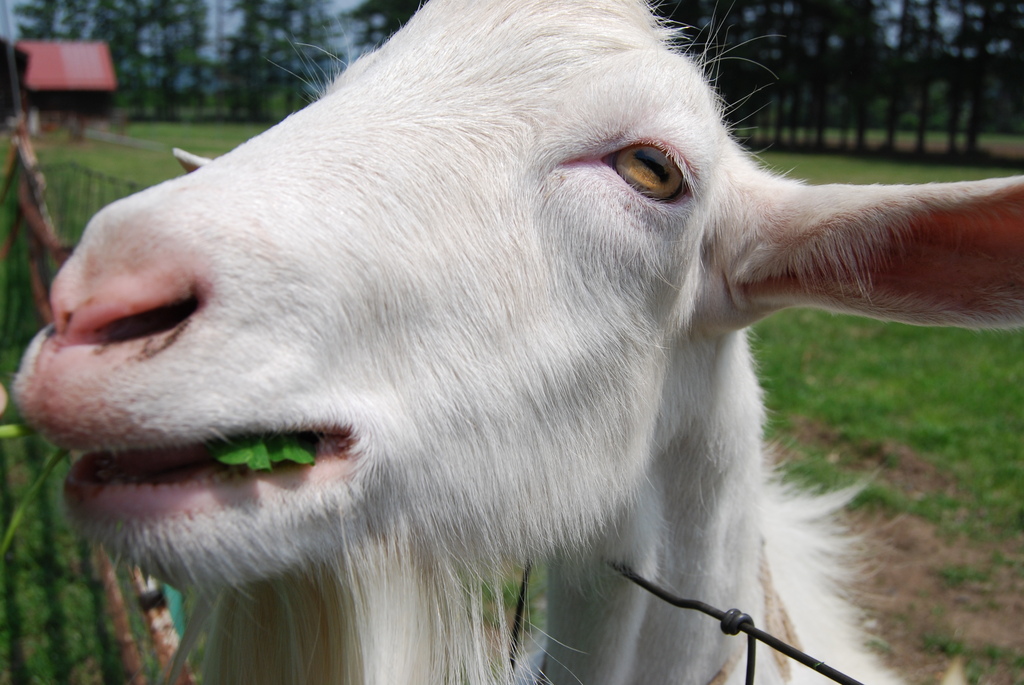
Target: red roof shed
(68, 66)
(69, 83)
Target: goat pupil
(656, 167)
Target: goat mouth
(161, 481)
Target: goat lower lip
(185, 480)
(141, 466)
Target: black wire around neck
(733, 622)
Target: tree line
(792, 72)
(828, 72)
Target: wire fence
(65, 611)
(74, 193)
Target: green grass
(955, 576)
(953, 396)
(144, 166)
(830, 168)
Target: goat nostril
(145, 324)
(105, 309)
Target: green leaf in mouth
(261, 452)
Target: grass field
(145, 166)
(850, 399)
(826, 168)
(1003, 146)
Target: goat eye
(650, 172)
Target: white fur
(537, 362)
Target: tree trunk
(898, 69)
(979, 75)
(955, 108)
(927, 68)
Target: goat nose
(106, 309)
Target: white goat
(502, 269)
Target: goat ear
(188, 161)
(942, 254)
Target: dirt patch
(932, 596)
